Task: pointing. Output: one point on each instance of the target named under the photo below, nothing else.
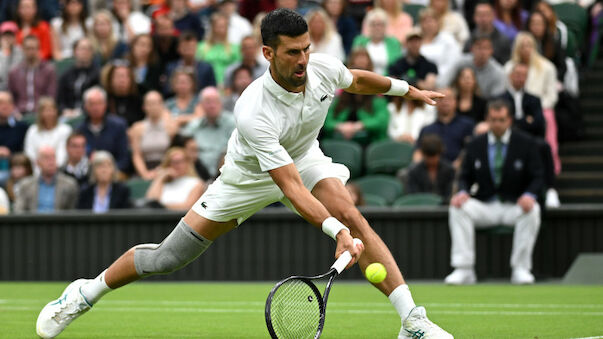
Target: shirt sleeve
(333, 69)
(262, 136)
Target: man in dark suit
(500, 178)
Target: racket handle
(344, 259)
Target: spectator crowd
(100, 98)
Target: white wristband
(332, 226)
(397, 88)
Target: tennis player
(272, 155)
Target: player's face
(289, 61)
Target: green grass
(355, 310)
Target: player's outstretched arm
(366, 82)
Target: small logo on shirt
(204, 204)
(323, 98)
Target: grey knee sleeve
(180, 247)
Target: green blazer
(392, 47)
(375, 123)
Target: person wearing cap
(10, 53)
(414, 67)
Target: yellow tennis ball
(375, 272)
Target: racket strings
(295, 310)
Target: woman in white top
(68, 28)
(452, 22)
(407, 118)
(47, 131)
(176, 186)
(438, 46)
(323, 35)
(541, 82)
(130, 23)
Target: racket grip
(344, 259)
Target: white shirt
(177, 191)
(402, 122)
(56, 137)
(67, 39)
(4, 202)
(238, 28)
(378, 54)
(443, 51)
(275, 127)
(331, 46)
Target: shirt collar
(513, 91)
(312, 82)
(54, 180)
(505, 138)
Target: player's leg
(334, 196)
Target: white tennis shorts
(235, 195)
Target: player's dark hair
(431, 145)
(282, 21)
(497, 105)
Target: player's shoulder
(250, 103)
(324, 62)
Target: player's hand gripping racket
(295, 309)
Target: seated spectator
(29, 22)
(407, 118)
(454, 130)
(355, 194)
(510, 17)
(345, 24)
(383, 49)
(4, 202)
(130, 22)
(238, 26)
(470, 102)
(203, 71)
(123, 99)
(12, 133)
(151, 137)
(68, 28)
(10, 53)
(104, 193)
(251, 58)
(541, 82)
(559, 29)
(432, 174)
(414, 67)
(49, 191)
(192, 153)
(176, 185)
(399, 23)
(183, 105)
(20, 168)
(143, 62)
(452, 22)
(166, 42)
(216, 49)
(491, 194)
(184, 20)
(242, 78)
(76, 79)
(438, 46)
(483, 16)
(104, 131)
(362, 118)
(47, 131)
(106, 46)
(32, 78)
(212, 131)
(323, 35)
(547, 45)
(488, 72)
(77, 165)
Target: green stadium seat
(30, 119)
(138, 188)
(387, 157)
(413, 10)
(373, 200)
(385, 186)
(75, 121)
(345, 152)
(60, 66)
(419, 199)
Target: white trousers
(478, 214)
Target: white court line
(597, 337)
(330, 310)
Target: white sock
(402, 300)
(96, 288)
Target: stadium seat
(373, 200)
(30, 119)
(60, 66)
(75, 121)
(413, 10)
(138, 188)
(385, 186)
(345, 152)
(419, 199)
(387, 157)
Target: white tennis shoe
(59, 313)
(417, 326)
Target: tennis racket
(295, 309)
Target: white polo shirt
(275, 127)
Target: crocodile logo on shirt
(323, 98)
